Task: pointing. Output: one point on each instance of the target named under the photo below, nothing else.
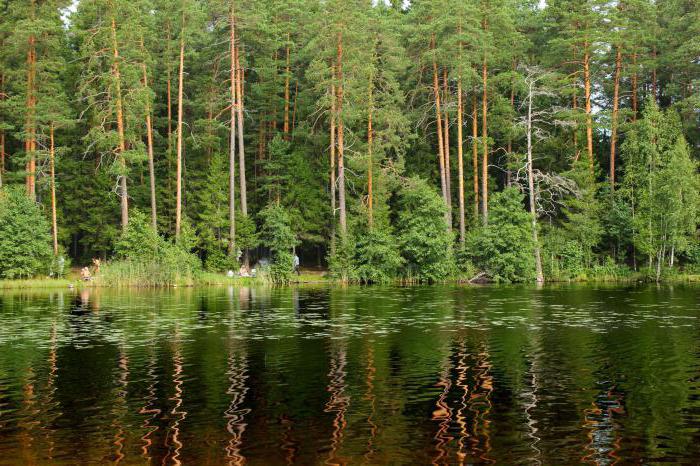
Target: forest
(430, 140)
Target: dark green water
(443, 375)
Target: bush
(504, 248)
(377, 257)
(144, 258)
(341, 261)
(425, 241)
(25, 239)
(277, 234)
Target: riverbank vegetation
(473, 140)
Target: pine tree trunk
(232, 142)
(613, 130)
(241, 143)
(341, 148)
(485, 144)
(475, 154)
(634, 85)
(2, 132)
(440, 134)
(149, 146)
(120, 129)
(370, 140)
(52, 169)
(180, 135)
(446, 127)
(509, 149)
(460, 160)
(589, 115)
(285, 128)
(30, 129)
(531, 189)
(332, 160)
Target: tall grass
(146, 274)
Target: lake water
(415, 375)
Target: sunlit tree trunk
(460, 159)
(2, 131)
(485, 144)
(531, 188)
(340, 129)
(287, 70)
(613, 130)
(370, 140)
(589, 116)
(180, 135)
(332, 160)
(30, 128)
(241, 143)
(52, 173)
(232, 140)
(446, 127)
(149, 147)
(440, 134)
(120, 128)
(475, 154)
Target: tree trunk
(589, 116)
(286, 93)
(52, 169)
(460, 160)
(341, 148)
(440, 134)
(509, 149)
(654, 81)
(332, 161)
(241, 144)
(446, 140)
(149, 146)
(120, 128)
(180, 135)
(232, 142)
(370, 140)
(531, 189)
(2, 132)
(475, 154)
(30, 129)
(613, 130)
(485, 143)
(634, 85)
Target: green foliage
(25, 241)
(276, 234)
(425, 242)
(377, 257)
(147, 259)
(503, 248)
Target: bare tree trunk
(180, 135)
(589, 116)
(30, 137)
(485, 143)
(332, 161)
(149, 146)
(370, 140)
(475, 154)
(286, 93)
(531, 188)
(52, 168)
(440, 134)
(509, 149)
(232, 141)
(120, 128)
(446, 139)
(2, 132)
(341, 148)
(460, 160)
(613, 130)
(634, 85)
(241, 146)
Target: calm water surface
(419, 375)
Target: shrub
(276, 233)
(377, 257)
(144, 258)
(504, 248)
(25, 240)
(425, 241)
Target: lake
(375, 375)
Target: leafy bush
(377, 257)
(504, 248)
(341, 262)
(25, 240)
(144, 258)
(425, 241)
(277, 234)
